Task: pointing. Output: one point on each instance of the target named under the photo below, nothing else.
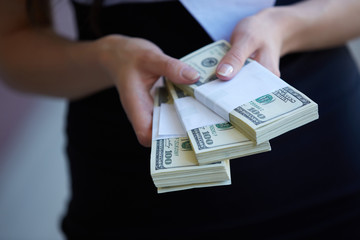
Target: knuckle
(147, 55)
(236, 56)
(169, 65)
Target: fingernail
(225, 70)
(190, 74)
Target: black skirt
(308, 185)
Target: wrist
(110, 52)
(78, 69)
(86, 58)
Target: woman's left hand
(259, 37)
(274, 32)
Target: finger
(268, 60)
(234, 59)
(141, 120)
(177, 71)
(138, 105)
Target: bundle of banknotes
(221, 120)
(256, 102)
(211, 141)
(173, 163)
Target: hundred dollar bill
(173, 164)
(274, 114)
(215, 141)
(256, 102)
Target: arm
(277, 31)
(35, 59)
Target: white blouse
(113, 2)
(217, 17)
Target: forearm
(316, 24)
(39, 61)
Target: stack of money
(173, 163)
(256, 102)
(274, 114)
(215, 141)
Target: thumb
(233, 60)
(176, 70)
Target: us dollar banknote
(275, 113)
(261, 118)
(217, 141)
(173, 164)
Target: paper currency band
(253, 81)
(166, 126)
(193, 114)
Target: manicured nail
(190, 74)
(225, 70)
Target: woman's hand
(276, 31)
(134, 65)
(259, 37)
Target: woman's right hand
(134, 65)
